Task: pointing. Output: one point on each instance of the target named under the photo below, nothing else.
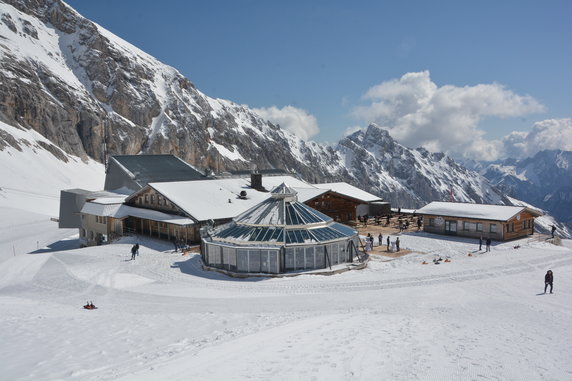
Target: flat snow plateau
(162, 317)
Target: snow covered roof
(476, 211)
(219, 198)
(118, 210)
(101, 209)
(153, 215)
(350, 191)
(305, 194)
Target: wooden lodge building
(497, 222)
(176, 210)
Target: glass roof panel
(346, 230)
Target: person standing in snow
(388, 243)
(418, 223)
(480, 243)
(397, 243)
(553, 230)
(133, 251)
(137, 249)
(379, 238)
(548, 279)
(367, 247)
(488, 244)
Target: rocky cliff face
(89, 92)
(410, 177)
(82, 87)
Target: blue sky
(324, 56)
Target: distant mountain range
(92, 94)
(544, 180)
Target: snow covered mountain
(89, 93)
(544, 180)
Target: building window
(152, 199)
(431, 221)
(493, 228)
(159, 200)
(510, 228)
(139, 200)
(479, 227)
(450, 226)
(146, 199)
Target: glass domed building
(279, 235)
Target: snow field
(163, 317)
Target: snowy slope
(162, 317)
(33, 172)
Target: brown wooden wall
(151, 199)
(338, 207)
(514, 228)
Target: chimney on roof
(256, 181)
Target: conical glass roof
(282, 208)
(283, 220)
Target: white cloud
(292, 119)
(419, 113)
(547, 134)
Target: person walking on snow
(553, 230)
(380, 238)
(133, 252)
(388, 243)
(548, 279)
(488, 244)
(137, 249)
(397, 243)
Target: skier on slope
(548, 279)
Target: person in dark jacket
(488, 244)
(133, 252)
(480, 243)
(548, 279)
(388, 243)
(397, 243)
(380, 239)
(553, 230)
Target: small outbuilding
(279, 235)
(497, 222)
